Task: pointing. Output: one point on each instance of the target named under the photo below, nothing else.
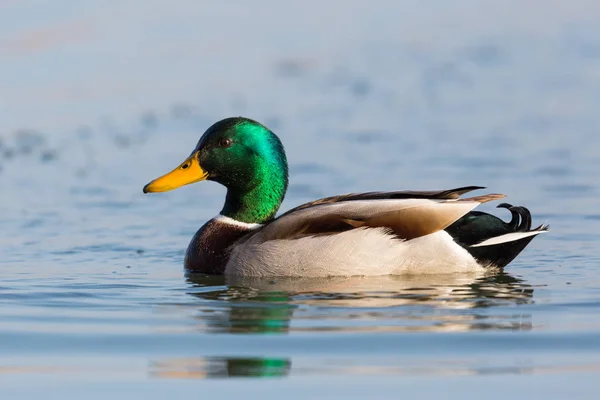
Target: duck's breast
(208, 252)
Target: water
(98, 98)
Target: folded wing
(407, 215)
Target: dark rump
(477, 226)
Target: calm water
(98, 98)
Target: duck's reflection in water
(221, 367)
(445, 303)
(389, 303)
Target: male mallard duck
(376, 233)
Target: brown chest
(208, 252)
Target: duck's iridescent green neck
(258, 195)
(256, 206)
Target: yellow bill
(188, 172)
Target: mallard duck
(375, 233)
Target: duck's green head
(244, 156)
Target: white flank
(365, 252)
(509, 237)
(235, 222)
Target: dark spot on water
(8, 153)
(81, 173)
(292, 68)
(361, 88)
(64, 252)
(48, 155)
(122, 141)
(149, 120)
(128, 267)
(554, 171)
(26, 141)
(486, 55)
(139, 251)
(34, 223)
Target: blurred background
(99, 97)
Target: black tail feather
(518, 213)
(476, 227)
(514, 221)
(525, 215)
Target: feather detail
(406, 218)
(484, 198)
(451, 194)
(512, 237)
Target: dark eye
(224, 142)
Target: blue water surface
(99, 97)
